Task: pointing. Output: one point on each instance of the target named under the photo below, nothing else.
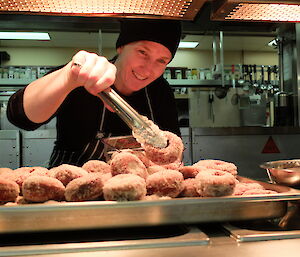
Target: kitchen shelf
(181, 96)
(197, 82)
(15, 81)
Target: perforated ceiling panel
(255, 10)
(176, 9)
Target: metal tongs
(132, 118)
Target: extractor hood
(256, 10)
(159, 9)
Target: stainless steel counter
(164, 228)
(213, 242)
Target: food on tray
(218, 165)
(127, 163)
(125, 187)
(40, 171)
(215, 183)
(143, 136)
(9, 190)
(259, 191)
(165, 183)
(140, 174)
(5, 170)
(97, 166)
(66, 173)
(142, 156)
(191, 171)
(156, 197)
(190, 188)
(154, 168)
(88, 187)
(18, 175)
(174, 165)
(106, 177)
(241, 187)
(42, 189)
(166, 155)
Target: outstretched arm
(44, 96)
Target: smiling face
(138, 64)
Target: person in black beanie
(70, 92)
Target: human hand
(95, 73)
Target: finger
(108, 79)
(77, 62)
(86, 68)
(79, 58)
(101, 82)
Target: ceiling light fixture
(25, 35)
(171, 9)
(257, 10)
(188, 44)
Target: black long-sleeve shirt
(80, 115)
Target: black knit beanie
(165, 32)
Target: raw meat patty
(9, 190)
(218, 165)
(66, 173)
(166, 155)
(213, 183)
(88, 187)
(92, 166)
(190, 188)
(165, 183)
(128, 163)
(42, 189)
(124, 187)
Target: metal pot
(221, 92)
(284, 172)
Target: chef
(69, 93)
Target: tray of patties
(135, 187)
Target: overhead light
(257, 10)
(25, 35)
(173, 9)
(188, 44)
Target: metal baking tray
(106, 214)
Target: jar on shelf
(167, 74)
(5, 73)
(189, 74)
(16, 73)
(194, 74)
(11, 71)
(22, 72)
(33, 73)
(28, 73)
(178, 74)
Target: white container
(178, 74)
(11, 71)
(28, 73)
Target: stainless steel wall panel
(37, 147)
(186, 138)
(245, 150)
(10, 148)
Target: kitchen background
(237, 50)
(236, 119)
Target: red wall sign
(270, 146)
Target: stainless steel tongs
(132, 118)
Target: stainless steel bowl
(285, 172)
